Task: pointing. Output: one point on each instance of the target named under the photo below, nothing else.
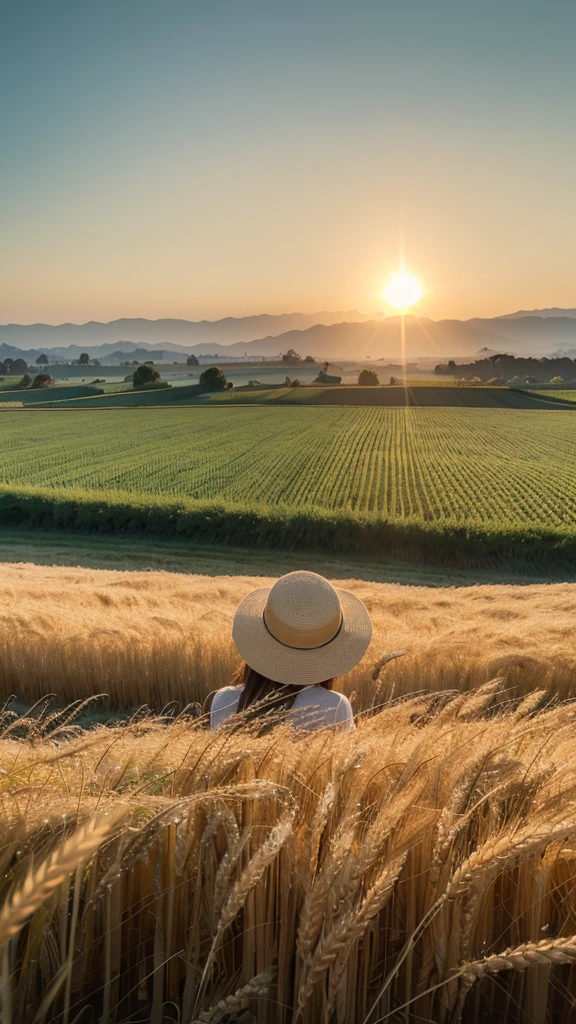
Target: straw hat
(302, 630)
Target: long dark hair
(263, 695)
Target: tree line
(501, 368)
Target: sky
(205, 159)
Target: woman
(295, 637)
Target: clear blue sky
(204, 159)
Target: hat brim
(289, 665)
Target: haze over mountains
(350, 335)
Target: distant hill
(535, 335)
(554, 311)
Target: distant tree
(148, 362)
(295, 384)
(325, 366)
(42, 360)
(145, 374)
(6, 367)
(368, 378)
(192, 360)
(84, 359)
(95, 362)
(309, 359)
(19, 366)
(134, 363)
(26, 381)
(392, 380)
(42, 380)
(530, 380)
(213, 377)
(229, 384)
(291, 356)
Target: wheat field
(419, 869)
(155, 637)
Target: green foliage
(192, 360)
(42, 380)
(42, 360)
(368, 379)
(291, 356)
(145, 374)
(213, 377)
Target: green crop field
(558, 393)
(507, 473)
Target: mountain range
(350, 335)
(178, 335)
(553, 311)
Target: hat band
(302, 639)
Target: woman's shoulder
(225, 696)
(320, 696)
(225, 692)
(317, 708)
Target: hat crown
(303, 611)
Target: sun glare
(402, 291)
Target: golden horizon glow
(402, 290)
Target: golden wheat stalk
(41, 882)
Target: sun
(402, 291)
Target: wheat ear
(255, 869)
(375, 900)
(501, 850)
(336, 944)
(249, 878)
(41, 882)
(315, 903)
(234, 1003)
(548, 951)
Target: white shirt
(313, 708)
